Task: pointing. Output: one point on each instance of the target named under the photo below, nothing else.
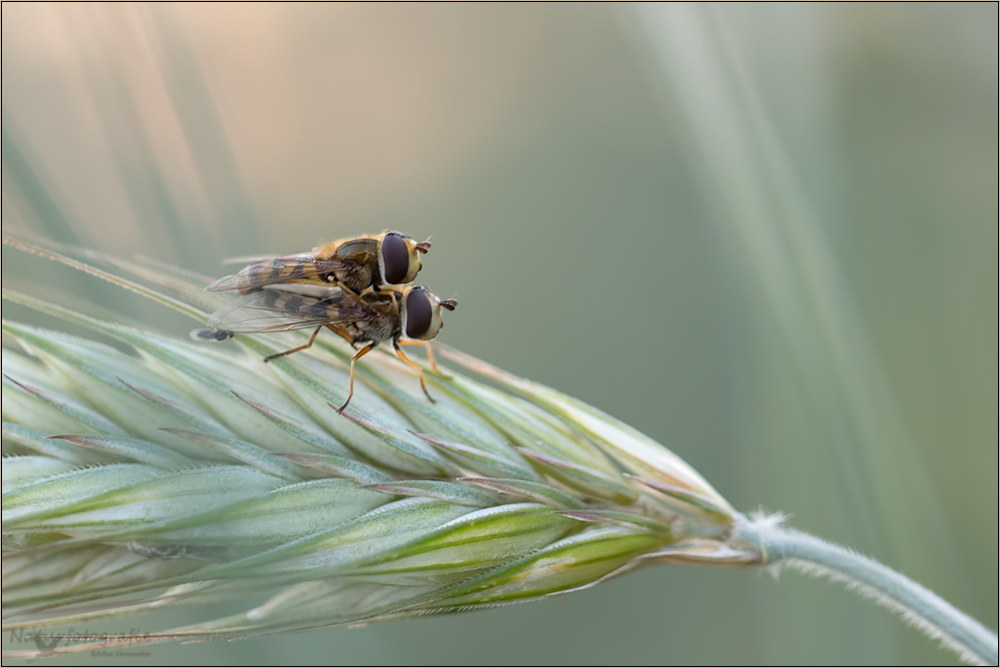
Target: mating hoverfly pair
(357, 288)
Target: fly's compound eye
(395, 258)
(418, 313)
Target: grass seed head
(168, 473)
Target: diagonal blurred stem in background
(780, 238)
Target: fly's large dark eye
(418, 314)
(395, 258)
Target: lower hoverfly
(408, 316)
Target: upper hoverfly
(409, 315)
(356, 263)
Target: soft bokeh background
(765, 235)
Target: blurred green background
(765, 235)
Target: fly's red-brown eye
(418, 313)
(395, 258)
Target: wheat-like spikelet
(179, 474)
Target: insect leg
(343, 334)
(423, 384)
(349, 292)
(430, 355)
(361, 353)
(296, 348)
(392, 297)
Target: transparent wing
(249, 259)
(274, 311)
(277, 270)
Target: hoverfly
(372, 319)
(357, 263)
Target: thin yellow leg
(430, 355)
(361, 353)
(392, 298)
(342, 334)
(296, 348)
(350, 293)
(430, 358)
(423, 384)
